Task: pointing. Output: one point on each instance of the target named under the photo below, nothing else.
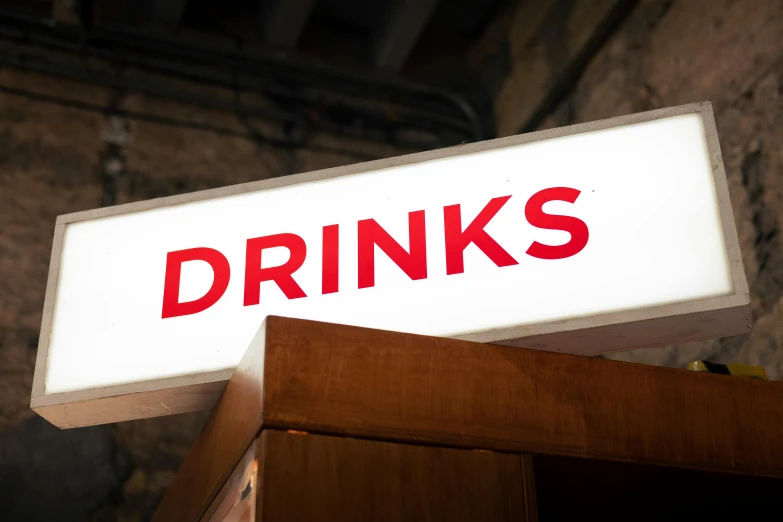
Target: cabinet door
(314, 477)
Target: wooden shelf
(334, 380)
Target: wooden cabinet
(316, 477)
(329, 422)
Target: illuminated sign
(605, 236)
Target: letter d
(220, 268)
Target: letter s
(538, 218)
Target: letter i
(330, 268)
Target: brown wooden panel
(529, 487)
(357, 382)
(314, 477)
(376, 384)
(227, 435)
(237, 497)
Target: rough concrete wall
(55, 160)
(670, 52)
(542, 37)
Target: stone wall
(670, 52)
(57, 159)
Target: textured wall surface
(56, 159)
(669, 52)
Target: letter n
(413, 263)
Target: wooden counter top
(356, 382)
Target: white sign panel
(605, 225)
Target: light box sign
(587, 239)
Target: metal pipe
(305, 88)
(162, 120)
(158, 91)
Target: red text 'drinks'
(458, 235)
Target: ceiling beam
(168, 12)
(66, 12)
(397, 37)
(282, 21)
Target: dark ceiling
(380, 33)
(392, 71)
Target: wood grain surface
(227, 435)
(384, 385)
(529, 488)
(368, 384)
(314, 477)
(238, 492)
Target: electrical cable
(25, 62)
(348, 90)
(256, 136)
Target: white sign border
(615, 331)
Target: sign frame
(672, 323)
